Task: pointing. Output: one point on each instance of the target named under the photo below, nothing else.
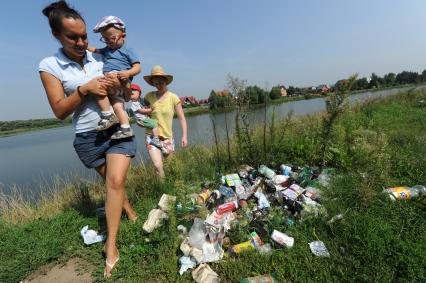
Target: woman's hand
(182, 121)
(111, 82)
(96, 86)
(184, 142)
(123, 75)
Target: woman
(72, 78)
(164, 104)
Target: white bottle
(397, 193)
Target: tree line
(16, 125)
(256, 95)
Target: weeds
(335, 106)
(379, 144)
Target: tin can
(227, 207)
(282, 239)
(247, 245)
(203, 196)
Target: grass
(376, 144)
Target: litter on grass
(91, 236)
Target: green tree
(255, 94)
(390, 79)
(361, 83)
(291, 91)
(375, 81)
(406, 77)
(219, 101)
(423, 76)
(275, 92)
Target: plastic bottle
(269, 278)
(305, 175)
(285, 170)
(203, 196)
(227, 207)
(101, 220)
(267, 172)
(397, 193)
(282, 239)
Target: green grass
(377, 144)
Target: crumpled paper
(186, 263)
(91, 236)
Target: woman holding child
(72, 79)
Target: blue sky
(297, 43)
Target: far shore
(189, 111)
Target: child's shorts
(147, 122)
(118, 95)
(168, 144)
(93, 146)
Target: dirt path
(74, 271)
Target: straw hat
(157, 71)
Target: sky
(269, 42)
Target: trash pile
(255, 199)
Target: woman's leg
(130, 212)
(157, 160)
(116, 172)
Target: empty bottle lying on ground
(397, 193)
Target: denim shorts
(93, 146)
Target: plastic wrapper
(262, 200)
(318, 248)
(186, 263)
(197, 234)
(91, 236)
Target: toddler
(121, 62)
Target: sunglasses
(113, 38)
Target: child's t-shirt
(135, 106)
(118, 59)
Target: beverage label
(248, 245)
(290, 194)
(282, 239)
(227, 207)
(298, 189)
(203, 196)
(255, 239)
(232, 180)
(267, 278)
(400, 192)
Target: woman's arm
(62, 105)
(182, 121)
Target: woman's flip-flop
(111, 266)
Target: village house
(203, 101)
(222, 92)
(323, 88)
(188, 100)
(283, 91)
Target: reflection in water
(36, 160)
